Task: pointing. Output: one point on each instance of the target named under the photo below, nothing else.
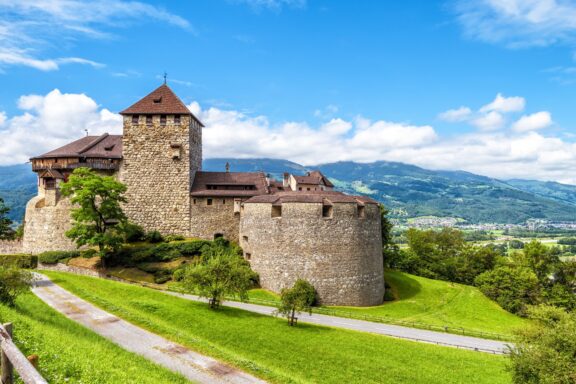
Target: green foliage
(514, 288)
(19, 261)
(19, 232)
(133, 233)
(300, 297)
(71, 353)
(13, 282)
(223, 274)
(545, 352)
(154, 237)
(171, 238)
(6, 231)
(516, 244)
(264, 346)
(97, 218)
(54, 257)
(567, 241)
(540, 259)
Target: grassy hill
(442, 303)
(269, 348)
(70, 353)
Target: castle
(294, 228)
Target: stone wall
(44, 226)
(11, 247)
(218, 218)
(159, 164)
(59, 267)
(341, 256)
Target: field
(70, 353)
(269, 348)
(442, 303)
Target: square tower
(162, 151)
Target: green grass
(269, 348)
(441, 303)
(70, 353)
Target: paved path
(421, 335)
(195, 367)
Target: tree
(299, 298)
(544, 351)
(13, 282)
(216, 277)
(514, 288)
(98, 211)
(6, 231)
(540, 259)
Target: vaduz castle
(293, 228)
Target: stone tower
(162, 151)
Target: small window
(149, 120)
(299, 188)
(218, 236)
(176, 119)
(248, 256)
(276, 211)
(194, 201)
(162, 119)
(361, 212)
(208, 201)
(158, 100)
(307, 189)
(327, 211)
(134, 119)
(245, 238)
(223, 201)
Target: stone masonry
(218, 218)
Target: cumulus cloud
(489, 121)
(49, 121)
(533, 122)
(456, 115)
(518, 23)
(28, 27)
(505, 104)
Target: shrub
(89, 253)
(154, 237)
(13, 282)
(19, 261)
(192, 248)
(171, 238)
(53, 257)
(162, 276)
(132, 232)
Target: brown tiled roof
(314, 178)
(104, 146)
(53, 173)
(229, 184)
(324, 197)
(161, 101)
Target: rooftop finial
(227, 167)
(86, 130)
(165, 76)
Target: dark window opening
(307, 189)
(218, 236)
(276, 211)
(300, 188)
(134, 119)
(208, 201)
(49, 183)
(176, 119)
(361, 212)
(327, 211)
(149, 120)
(194, 201)
(223, 201)
(158, 100)
(162, 119)
(248, 256)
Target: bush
(89, 253)
(154, 237)
(53, 257)
(171, 238)
(19, 261)
(13, 282)
(162, 276)
(132, 232)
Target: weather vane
(165, 75)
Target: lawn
(269, 348)
(441, 303)
(70, 353)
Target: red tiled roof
(314, 178)
(104, 146)
(323, 197)
(229, 184)
(161, 101)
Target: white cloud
(327, 112)
(505, 104)
(50, 121)
(489, 122)
(2, 118)
(533, 122)
(29, 27)
(456, 115)
(518, 23)
(273, 4)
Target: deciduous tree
(294, 300)
(6, 231)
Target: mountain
(408, 190)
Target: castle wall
(218, 218)
(45, 226)
(340, 256)
(158, 168)
(10, 247)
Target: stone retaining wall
(10, 247)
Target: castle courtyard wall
(11, 247)
(219, 218)
(340, 256)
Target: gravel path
(195, 367)
(421, 335)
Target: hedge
(19, 260)
(54, 257)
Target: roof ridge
(93, 143)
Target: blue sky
(481, 85)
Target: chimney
(227, 167)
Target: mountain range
(407, 190)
